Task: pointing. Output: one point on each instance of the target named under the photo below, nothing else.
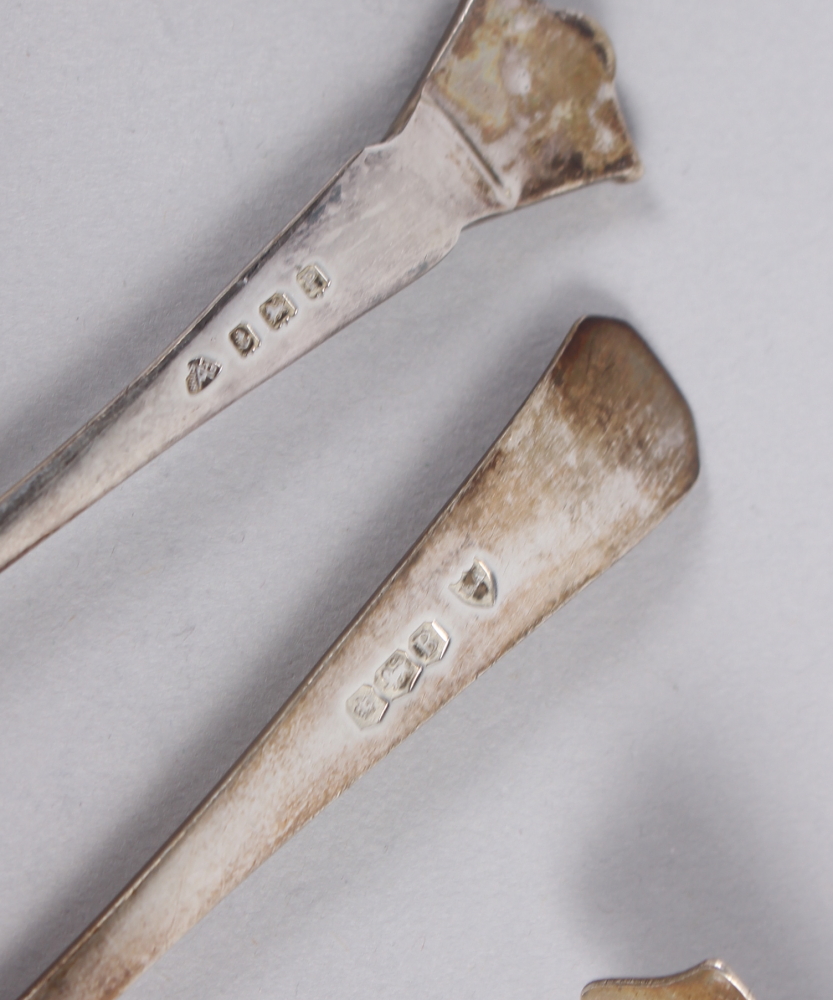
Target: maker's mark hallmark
(397, 675)
(477, 586)
(313, 281)
(428, 644)
(278, 310)
(244, 339)
(201, 372)
(366, 707)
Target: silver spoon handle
(550, 122)
(389, 216)
(601, 451)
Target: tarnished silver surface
(517, 105)
(601, 451)
(711, 980)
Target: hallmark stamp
(313, 281)
(278, 310)
(397, 675)
(428, 644)
(244, 339)
(366, 708)
(476, 586)
(201, 372)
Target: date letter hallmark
(477, 586)
(278, 310)
(244, 339)
(366, 707)
(313, 281)
(201, 372)
(428, 644)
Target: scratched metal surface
(645, 781)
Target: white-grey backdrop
(643, 783)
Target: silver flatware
(601, 451)
(516, 105)
(711, 980)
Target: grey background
(644, 782)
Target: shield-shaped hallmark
(477, 586)
(201, 372)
